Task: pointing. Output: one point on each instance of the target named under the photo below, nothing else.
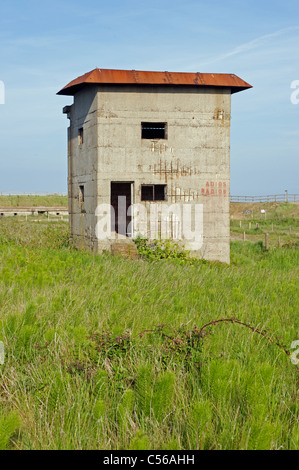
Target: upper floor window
(154, 130)
(80, 136)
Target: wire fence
(20, 193)
(269, 198)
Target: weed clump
(152, 250)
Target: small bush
(152, 250)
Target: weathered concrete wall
(82, 168)
(193, 161)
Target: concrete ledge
(16, 211)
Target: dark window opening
(81, 193)
(80, 136)
(153, 130)
(147, 193)
(160, 192)
(153, 192)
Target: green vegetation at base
(153, 250)
(103, 352)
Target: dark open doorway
(120, 202)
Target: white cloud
(254, 44)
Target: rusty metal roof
(137, 77)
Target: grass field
(33, 201)
(104, 352)
(280, 221)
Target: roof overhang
(143, 78)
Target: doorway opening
(121, 199)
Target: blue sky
(44, 45)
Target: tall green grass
(87, 368)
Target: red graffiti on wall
(214, 188)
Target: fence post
(267, 241)
(244, 236)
